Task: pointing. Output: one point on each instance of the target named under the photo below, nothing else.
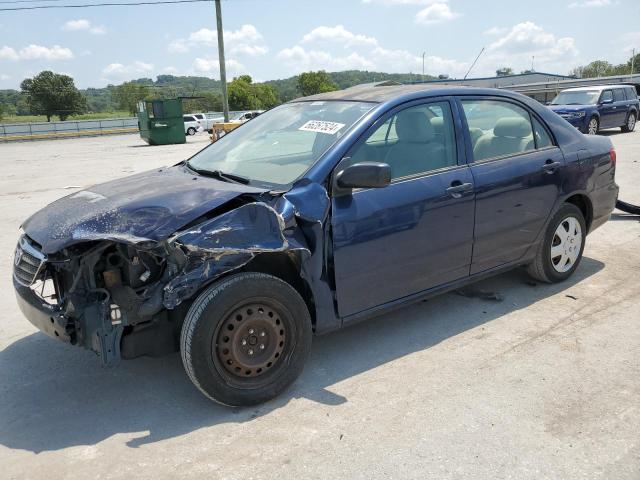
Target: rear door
(620, 106)
(517, 171)
(417, 232)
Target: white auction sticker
(320, 126)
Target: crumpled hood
(147, 206)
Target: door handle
(457, 188)
(551, 166)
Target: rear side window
(618, 95)
(543, 139)
(631, 93)
(498, 129)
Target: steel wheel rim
(250, 341)
(566, 245)
(593, 126)
(631, 122)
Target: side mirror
(364, 175)
(606, 101)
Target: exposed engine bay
(122, 294)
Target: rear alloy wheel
(191, 131)
(631, 123)
(592, 127)
(245, 339)
(560, 252)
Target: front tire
(631, 123)
(191, 131)
(593, 126)
(245, 339)
(560, 252)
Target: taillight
(612, 156)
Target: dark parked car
(591, 108)
(319, 213)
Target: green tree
(246, 95)
(51, 94)
(310, 83)
(2, 109)
(501, 72)
(129, 94)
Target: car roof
(598, 88)
(384, 93)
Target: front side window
(607, 96)
(414, 141)
(280, 145)
(498, 128)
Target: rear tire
(593, 126)
(245, 339)
(631, 123)
(560, 251)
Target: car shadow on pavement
(53, 396)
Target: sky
(270, 39)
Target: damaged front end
(124, 296)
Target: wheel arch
(583, 202)
(287, 267)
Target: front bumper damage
(122, 296)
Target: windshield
(582, 97)
(280, 145)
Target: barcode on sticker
(320, 126)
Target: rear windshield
(279, 146)
(582, 97)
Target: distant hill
(166, 86)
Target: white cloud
(39, 52)
(298, 59)
(8, 53)
(400, 2)
(436, 13)
(4, 76)
(82, 24)
(526, 40)
(591, 3)
(495, 31)
(338, 34)
(212, 66)
(119, 71)
(247, 40)
(627, 41)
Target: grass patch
(84, 116)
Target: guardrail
(71, 128)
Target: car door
(620, 106)
(417, 232)
(517, 172)
(607, 110)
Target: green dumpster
(160, 122)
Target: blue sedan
(317, 214)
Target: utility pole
(633, 58)
(223, 70)
(423, 65)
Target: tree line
(52, 94)
(199, 93)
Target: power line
(87, 5)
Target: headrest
(516, 127)
(413, 126)
(438, 125)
